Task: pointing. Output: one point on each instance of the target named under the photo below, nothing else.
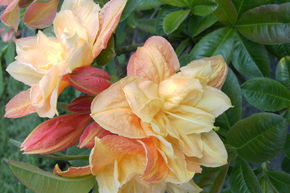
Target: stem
(126, 49)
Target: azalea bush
(155, 96)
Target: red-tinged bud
(89, 80)
(81, 104)
(88, 137)
(56, 134)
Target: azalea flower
(37, 15)
(82, 31)
(179, 107)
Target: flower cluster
(148, 132)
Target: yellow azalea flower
(154, 100)
(82, 31)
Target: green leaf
(280, 180)
(260, 137)
(283, 71)
(243, 179)
(173, 20)
(211, 180)
(148, 4)
(177, 3)
(131, 5)
(266, 94)
(232, 88)
(280, 50)
(268, 24)
(198, 24)
(10, 53)
(41, 181)
(226, 12)
(1, 81)
(287, 146)
(250, 59)
(217, 42)
(203, 7)
(108, 54)
(266, 185)
(286, 164)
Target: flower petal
(154, 61)
(5, 2)
(214, 151)
(189, 187)
(40, 15)
(72, 171)
(11, 15)
(112, 112)
(87, 12)
(88, 137)
(190, 120)
(109, 19)
(81, 104)
(142, 96)
(23, 73)
(180, 89)
(89, 80)
(19, 105)
(212, 70)
(214, 101)
(55, 134)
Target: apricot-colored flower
(123, 165)
(37, 15)
(82, 30)
(180, 107)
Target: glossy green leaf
(243, 179)
(287, 146)
(9, 54)
(177, 3)
(108, 54)
(280, 180)
(283, 71)
(131, 5)
(217, 42)
(250, 59)
(41, 181)
(266, 94)
(280, 50)
(266, 185)
(148, 4)
(268, 24)
(286, 164)
(203, 7)
(232, 88)
(226, 12)
(173, 20)
(199, 24)
(259, 137)
(211, 180)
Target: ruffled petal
(214, 151)
(19, 105)
(87, 13)
(154, 61)
(214, 101)
(23, 73)
(142, 96)
(189, 187)
(211, 71)
(188, 120)
(112, 112)
(109, 19)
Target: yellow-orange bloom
(179, 109)
(82, 31)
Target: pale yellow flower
(82, 31)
